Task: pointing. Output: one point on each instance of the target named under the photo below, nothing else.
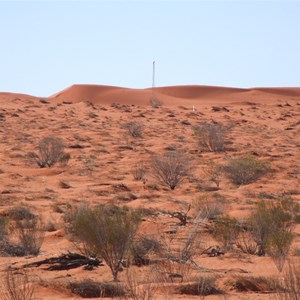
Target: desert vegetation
(50, 151)
(171, 168)
(169, 203)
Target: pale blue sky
(48, 45)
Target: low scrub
(171, 168)
(26, 233)
(226, 230)
(134, 129)
(290, 282)
(16, 286)
(258, 284)
(106, 232)
(246, 169)
(92, 289)
(203, 287)
(211, 137)
(50, 151)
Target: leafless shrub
(107, 232)
(176, 254)
(28, 229)
(142, 247)
(50, 151)
(246, 243)
(139, 171)
(155, 102)
(64, 159)
(290, 283)
(137, 291)
(211, 137)
(135, 129)
(213, 173)
(16, 286)
(171, 168)
(205, 285)
(209, 206)
(246, 169)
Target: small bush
(141, 248)
(253, 284)
(107, 232)
(211, 137)
(290, 283)
(278, 246)
(29, 231)
(50, 151)
(226, 230)
(139, 171)
(246, 169)
(135, 129)
(91, 289)
(203, 287)
(267, 219)
(3, 226)
(16, 286)
(155, 102)
(209, 206)
(171, 168)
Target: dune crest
(170, 95)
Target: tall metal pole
(153, 81)
(153, 75)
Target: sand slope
(172, 95)
(262, 121)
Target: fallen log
(67, 261)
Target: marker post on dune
(155, 103)
(153, 80)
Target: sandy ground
(90, 119)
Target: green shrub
(278, 246)
(246, 169)
(226, 230)
(267, 219)
(107, 232)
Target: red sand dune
(171, 95)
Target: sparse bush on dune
(204, 286)
(226, 230)
(155, 102)
(28, 229)
(211, 137)
(270, 224)
(92, 289)
(210, 206)
(171, 168)
(50, 151)
(290, 282)
(134, 129)
(16, 286)
(278, 246)
(244, 283)
(139, 171)
(107, 232)
(245, 169)
(22, 233)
